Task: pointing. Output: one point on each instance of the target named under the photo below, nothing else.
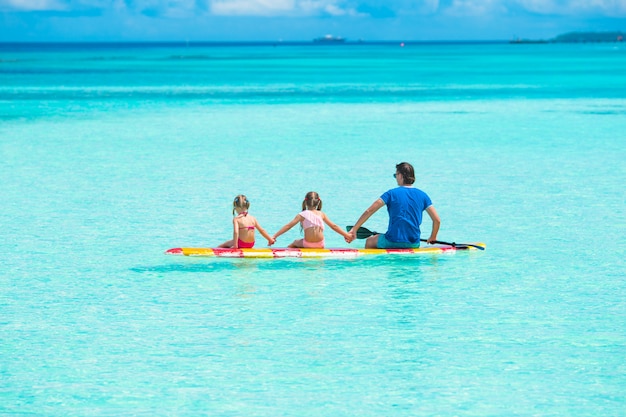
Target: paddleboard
(318, 253)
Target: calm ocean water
(112, 154)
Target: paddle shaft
(363, 233)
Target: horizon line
(263, 42)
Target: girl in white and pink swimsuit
(312, 220)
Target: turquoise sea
(113, 153)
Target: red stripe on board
(174, 251)
(228, 252)
(344, 251)
(448, 248)
(403, 250)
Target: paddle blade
(362, 232)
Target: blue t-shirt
(405, 206)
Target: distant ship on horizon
(329, 39)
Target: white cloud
(252, 7)
(164, 8)
(575, 7)
(280, 8)
(474, 7)
(430, 6)
(335, 10)
(462, 8)
(605, 7)
(32, 5)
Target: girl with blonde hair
(243, 226)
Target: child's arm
(366, 215)
(270, 240)
(235, 234)
(336, 228)
(288, 226)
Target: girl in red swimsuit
(243, 226)
(312, 220)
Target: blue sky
(294, 20)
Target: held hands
(350, 236)
(271, 241)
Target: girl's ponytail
(312, 201)
(241, 201)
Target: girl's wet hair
(241, 201)
(406, 170)
(312, 201)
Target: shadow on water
(187, 267)
(399, 267)
(200, 266)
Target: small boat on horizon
(329, 39)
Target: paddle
(363, 233)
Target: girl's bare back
(246, 224)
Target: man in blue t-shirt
(405, 205)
